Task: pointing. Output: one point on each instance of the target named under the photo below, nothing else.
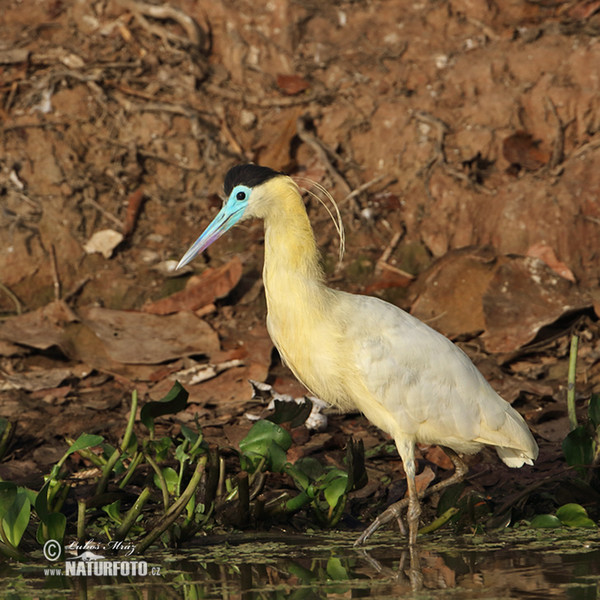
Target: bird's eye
(240, 196)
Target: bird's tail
(516, 458)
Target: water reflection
(524, 565)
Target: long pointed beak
(225, 219)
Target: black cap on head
(249, 175)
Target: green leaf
(594, 410)
(574, 515)
(174, 402)
(266, 440)
(545, 522)
(300, 478)
(16, 518)
(189, 434)
(578, 448)
(113, 510)
(52, 528)
(85, 440)
(7, 431)
(41, 501)
(277, 458)
(440, 521)
(180, 452)
(335, 490)
(263, 434)
(311, 467)
(171, 479)
(132, 446)
(8, 493)
(336, 570)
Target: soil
(460, 138)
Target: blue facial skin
(228, 216)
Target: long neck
(292, 273)
(302, 319)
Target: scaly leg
(395, 510)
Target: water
(532, 564)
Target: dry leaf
(292, 84)
(522, 151)
(140, 338)
(134, 204)
(104, 242)
(424, 478)
(449, 293)
(523, 296)
(546, 254)
(211, 285)
(41, 328)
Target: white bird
(359, 352)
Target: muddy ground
(460, 139)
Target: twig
(488, 31)
(390, 248)
(361, 188)
(55, 275)
(108, 215)
(195, 34)
(571, 382)
(76, 288)
(315, 98)
(588, 146)
(382, 263)
(324, 153)
(13, 297)
(439, 157)
(559, 142)
(441, 128)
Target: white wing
(427, 385)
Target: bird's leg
(460, 470)
(395, 510)
(407, 454)
(414, 507)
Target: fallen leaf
(437, 456)
(388, 277)
(583, 10)
(139, 338)
(41, 328)
(279, 133)
(522, 151)
(292, 84)
(134, 204)
(41, 379)
(449, 293)
(203, 290)
(424, 478)
(523, 296)
(8, 349)
(546, 254)
(104, 242)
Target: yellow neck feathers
(290, 247)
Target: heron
(359, 352)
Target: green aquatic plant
(568, 515)
(151, 488)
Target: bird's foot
(391, 512)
